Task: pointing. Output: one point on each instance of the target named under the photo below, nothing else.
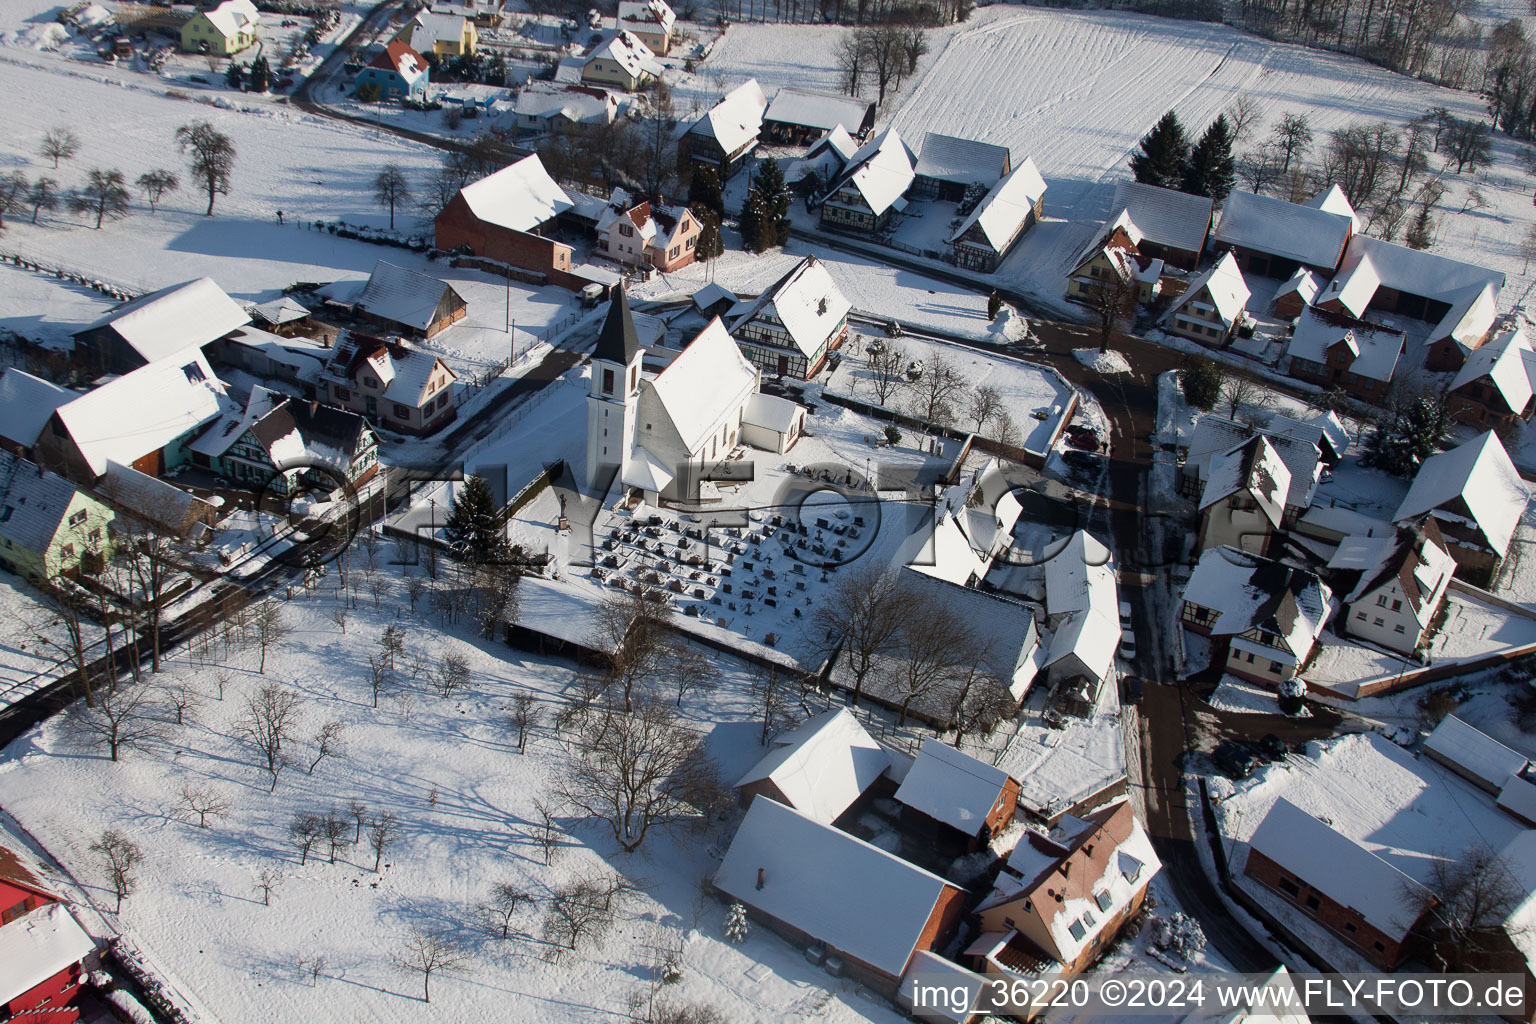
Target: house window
(1312, 902)
(1349, 926)
(690, 243)
(194, 373)
(1397, 606)
(1102, 898)
(1379, 621)
(1359, 616)
(369, 382)
(626, 230)
(12, 913)
(1274, 667)
(342, 394)
(1398, 628)
(673, 252)
(77, 518)
(68, 550)
(1289, 887)
(402, 412)
(1379, 947)
(1381, 600)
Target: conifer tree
(261, 75)
(704, 191)
(994, 304)
(472, 530)
(1421, 235)
(765, 215)
(736, 924)
(710, 243)
(235, 76)
(1211, 171)
(1162, 155)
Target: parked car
(1273, 747)
(1088, 442)
(1130, 690)
(1235, 760)
(1128, 645)
(1080, 459)
(1125, 615)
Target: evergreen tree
(710, 243)
(1201, 381)
(261, 75)
(736, 924)
(776, 199)
(1211, 171)
(704, 191)
(1406, 435)
(1422, 234)
(751, 223)
(235, 76)
(1162, 155)
(994, 304)
(472, 529)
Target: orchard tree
(212, 156)
(429, 951)
(104, 194)
(59, 144)
(391, 190)
(121, 856)
(1293, 138)
(43, 195)
(155, 184)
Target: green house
(47, 524)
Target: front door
(783, 365)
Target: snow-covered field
(449, 768)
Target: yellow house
(448, 35)
(226, 29)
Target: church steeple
(618, 342)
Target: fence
(107, 288)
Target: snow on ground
(26, 659)
(1485, 700)
(1102, 362)
(1234, 694)
(44, 309)
(1059, 767)
(448, 768)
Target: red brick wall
(944, 920)
(1002, 811)
(457, 226)
(51, 998)
(1328, 913)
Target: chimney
(759, 878)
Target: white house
(652, 21)
(872, 187)
(1212, 306)
(1010, 207)
(1266, 614)
(727, 133)
(789, 329)
(1403, 579)
(819, 769)
(1082, 600)
(1245, 495)
(1476, 496)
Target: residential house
(823, 162)
(142, 419)
(714, 299)
(1263, 616)
(1336, 350)
(1082, 602)
(295, 364)
(797, 116)
(650, 21)
(1401, 585)
(163, 323)
(41, 946)
(790, 328)
(1494, 385)
(947, 789)
(444, 33)
(47, 524)
(640, 234)
(276, 443)
(1474, 755)
(1357, 896)
(418, 305)
(1519, 926)
(871, 188)
(397, 72)
(1298, 292)
(1173, 225)
(1296, 443)
(1476, 497)
(869, 910)
(503, 217)
(148, 499)
(284, 317)
(948, 167)
(821, 768)
(1244, 500)
(1114, 260)
(665, 434)
(1323, 430)
(26, 402)
(1458, 299)
(550, 106)
(725, 135)
(222, 30)
(1272, 238)
(1211, 308)
(1060, 900)
(401, 389)
(621, 59)
(1010, 208)
(928, 970)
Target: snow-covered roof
(144, 410)
(1473, 751)
(38, 945)
(234, 16)
(1370, 263)
(577, 103)
(1253, 466)
(26, 402)
(626, 50)
(1475, 481)
(931, 969)
(951, 786)
(222, 433)
(148, 497)
(1473, 310)
(807, 301)
(1517, 797)
(852, 896)
(881, 172)
(771, 412)
(167, 321)
(1339, 868)
(1222, 285)
(693, 387)
(736, 119)
(823, 766)
(821, 110)
(1333, 200)
(1412, 559)
(825, 159)
(1375, 347)
(961, 161)
(520, 196)
(712, 293)
(429, 27)
(33, 503)
(398, 57)
(1311, 236)
(1503, 361)
(1249, 591)
(1324, 430)
(644, 470)
(1002, 212)
(1519, 856)
(279, 311)
(1304, 283)
(1080, 585)
(1215, 436)
(647, 12)
(404, 296)
(1173, 219)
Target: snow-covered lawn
(1059, 767)
(449, 768)
(1234, 694)
(44, 309)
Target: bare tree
(339, 616)
(983, 403)
(1259, 171)
(203, 801)
(632, 631)
(638, 771)
(359, 813)
(772, 696)
(980, 707)
(333, 826)
(155, 185)
(43, 195)
(267, 879)
(269, 718)
(547, 833)
(940, 383)
(583, 909)
(1111, 300)
(59, 144)
(1465, 904)
(1243, 117)
(1293, 138)
(213, 157)
(104, 194)
(383, 833)
(887, 367)
(391, 189)
(327, 743)
(525, 716)
(1527, 248)
(121, 856)
(504, 900)
(430, 951)
(378, 675)
(415, 586)
(305, 830)
(688, 668)
(183, 700)
(452, 674)
(311, 966)
(937, 646)
(121, 719)
(1241, 392)
(850, 58)
(61, 629)
(392, 643)
(860, 617)
(270, 627)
